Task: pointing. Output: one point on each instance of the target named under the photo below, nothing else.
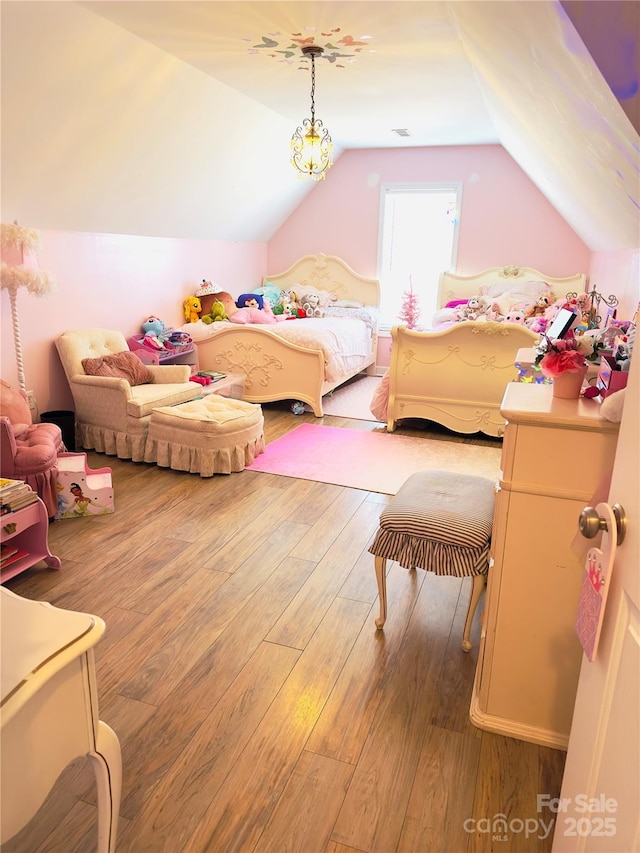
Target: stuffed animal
(538, 308)
(539, 325)
(494, 313)
(515, 315)
(250, 300)
(155, 334)
(291, 304)
(311, 305)
(475, 308)
(291, 310)
(192, 309)
(216, 315)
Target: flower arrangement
(565, 355)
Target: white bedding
(344, 342)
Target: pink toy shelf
(82, 492)
(175, 355)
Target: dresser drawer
(15, 522)
(556, 460)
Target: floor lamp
(20, 269)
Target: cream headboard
(327, 272)
(453, 286)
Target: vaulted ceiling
(448, 73)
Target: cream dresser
(556, 458)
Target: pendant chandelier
(311, 144)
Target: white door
(599, 807)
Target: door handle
(590, 523)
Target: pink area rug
(353, 399)
(372, 461)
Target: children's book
(7, 561)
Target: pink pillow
(455, 302)
(121, 365)
(14, 406)
(243, 316)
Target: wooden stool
(441, 522)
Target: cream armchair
(112, 415)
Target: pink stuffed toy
(250, 314)
(515, 315)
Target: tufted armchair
(28, 451)
(113, 413)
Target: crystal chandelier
(311, 144)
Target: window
(418, 241)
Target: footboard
(276, 369)
(456, 377)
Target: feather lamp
(19, 268)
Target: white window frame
(419, 187)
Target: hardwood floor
(257, 707)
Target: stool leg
(476, 589)
(381, 577)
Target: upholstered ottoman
(212, 435)
(441, 522)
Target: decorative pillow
(325, 297)
(347, 303)
(454, 303)
(367, 314)
(121, 365)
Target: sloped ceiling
(226, 84)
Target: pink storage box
(610, 380)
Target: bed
(300, 359)
(456, 376)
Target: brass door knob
(590, 523)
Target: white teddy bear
(311, 305)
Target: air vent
(401, 131)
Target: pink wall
(618, 273)
(113, 281)
(505, 219)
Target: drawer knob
(590, 523)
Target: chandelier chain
(313, 90)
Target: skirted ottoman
(212, 435)
(441, 522)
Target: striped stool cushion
(439, 521)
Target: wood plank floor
(257, 707)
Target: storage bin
(67, 423)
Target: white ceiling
(142, 99)
(386, 64)
(450, 73)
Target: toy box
(81, 491)
(609, 379)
